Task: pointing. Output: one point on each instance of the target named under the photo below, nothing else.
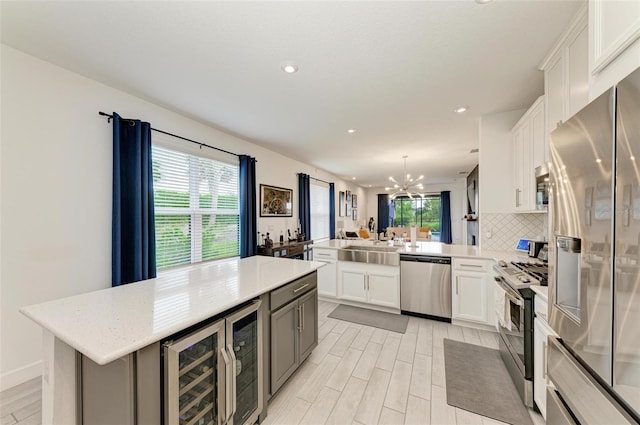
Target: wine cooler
(213, 376)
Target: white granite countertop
(430, 248)
(542, 291)
(107, 324)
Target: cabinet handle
(302, 309)
(295, 291)
(471, 265)
(234, 383)
(559, 124)
(227, 383)
(517, 197)
(456, 287)
(299, 310)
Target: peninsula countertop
(429, 248)
(110, 323)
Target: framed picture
(348, 213)
(342, 206)
(275, 201)
(354, 201)
(348, 197)
(355, 213)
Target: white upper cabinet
(615, 26)
(566, 74)
(614, 45)
(529, 151)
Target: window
(196, 208)
(420, 212)
(319, 196)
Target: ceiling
(392, 70)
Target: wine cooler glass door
(244, 345)
(194, 385)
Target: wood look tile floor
(357, 375)
(363, 375)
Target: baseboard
(18, 376)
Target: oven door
(512, 333)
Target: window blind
(196, 208)
(319, 197)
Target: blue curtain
(383, 212)
(445, 217)
(304, 204)
(133, 236)
(332, 211)
(248, 207)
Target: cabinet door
(539, 367)
(539, 145)
(284, 344)
(470, 296)
(554, 82)
(353, 285)
(327, 279)
(577, 63)
(307, 308)
(523, 167)
(383, 289)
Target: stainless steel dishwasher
(425, 286)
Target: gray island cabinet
(194, 346)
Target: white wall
(55, 193)
(496, 161)
(458, 199)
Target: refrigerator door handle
(226, 414)
(234, 381)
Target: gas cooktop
(520, 274)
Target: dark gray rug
(377, 319)
(478, 381)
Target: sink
(383, 255)
(372, 248)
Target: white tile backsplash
(500, 232)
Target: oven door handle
(509, 292)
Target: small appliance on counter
(535, 247)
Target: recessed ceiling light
(289, 68)
(351, 130)
(353, 178)
(598, 160)
(483, 1)
(370, 185)
(461, 109)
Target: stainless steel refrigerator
(594, 289)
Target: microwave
(535, 247)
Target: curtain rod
(110, 117)
(317, 179)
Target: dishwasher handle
(425, 259)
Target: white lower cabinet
(369, 284)
(541, 332)
(354, 285)
(327, 275)
(472, 291)
(470, 296)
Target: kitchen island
(108, 324)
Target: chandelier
(409, 187)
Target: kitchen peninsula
(454, 283)
(106, 325)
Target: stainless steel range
(515, 320)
